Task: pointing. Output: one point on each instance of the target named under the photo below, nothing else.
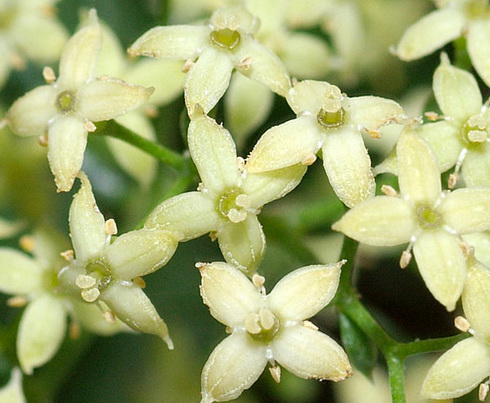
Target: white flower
(12, 392)
(269, 328)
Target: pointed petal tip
(170, 344)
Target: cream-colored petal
(370, 112)
(67, 139)
(174, 42)
(456, 91)
(478, 47)
(107, 98)
(247, 105)
(41, 331)
(287, 144)
(91, 318)
(310, 354)
(233, 366)
(348, 166)
(259, 63)
(431, 32)
(467, 210)
(442, 265)
(307, 96)
(418, 174)
(480, 241)
(371, 222)
(304, 292)
(243, 244)
(476, 166)
(79, 56)
(213, 151)
(29, 115)
(140, 252)
(264, 187)
(19, 273)
(444, 138)
(228, 293)
(458, 370)
(12, 392)
(207, 80)
(476, 298)
(306, 56)
(131, 305)
(87, 224)
(188, 215)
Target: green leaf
(359, 347)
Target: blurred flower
(268, 328)
(12, 392)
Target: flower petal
(188, 215)
(348, 166)
(479, 48)
(262, 65)
(87, 225)
(79, 56)
(370, 112)
(308, 96)
(371, 222)
(243, 244)
(29, 115)
(67, 139)
(41, 331)
(175, 42)
(442, 265)
(422, 39)
(233, 366)
(91, 318)
(228, 293)
(456, 91)
(476, 298)
(19, 273)
(12, 392)
(213, 151)
(287, 144)
(310, 354)
(105, 99)
(418, 174)
(444, 138)
(458, 370)
(264, 187)
(131, 305)
(304, 292)
(207, 80)
(467, 210)
(476, 166)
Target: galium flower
(225, 44)
(33, 281)
(269, 329)
(462, 137)
(227, 201)
(466, 364)
(63, 111)
(330, 121)
(430, 220)
(12, 392)
(108, 274)
(468, 18)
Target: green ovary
(232, 205)
(474, 131)
(99, 271)
(262, 325)
(331, 119)
(225, 38)
(65, 102)
(427, 218)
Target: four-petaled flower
(226, 43)
(63, 111)
(330, 121)
(107, 272)
(269, 328)
(431, 221)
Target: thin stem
(396, 376)
(162, 153)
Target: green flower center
(262, 325)
(225, 38)
(331, 119)
(427, 218)
(99, 270)
(477, 8)
(65, 102)
(474, 130)
(233, 205)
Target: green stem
(113, 129)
